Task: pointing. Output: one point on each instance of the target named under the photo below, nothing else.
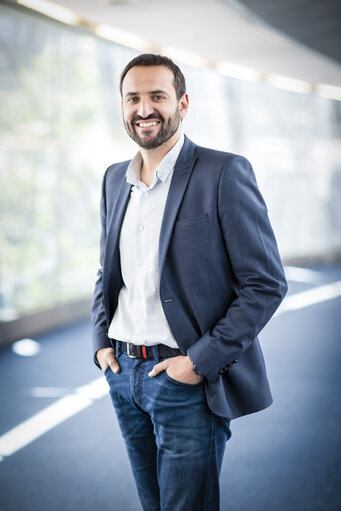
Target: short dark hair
(151, 59)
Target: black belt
(136, 351)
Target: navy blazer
(221, 277)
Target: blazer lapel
(118, 211)
(181, 174)
(111, 256)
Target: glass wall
(60, 128)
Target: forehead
(143, 79)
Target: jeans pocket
(181, 383)
(106, 370)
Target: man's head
(149, 60)
(154, 99)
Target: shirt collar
(165, 168)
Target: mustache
(151, 116)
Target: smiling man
(152, 117)
(190, 274)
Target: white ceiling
(215, 29)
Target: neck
(152, 157)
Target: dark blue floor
(284, 458)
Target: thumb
(114, 365)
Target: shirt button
(141, 227)
(139, 297)
(146, 194)
(140, 262)
(139, 330)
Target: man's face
(151, 112)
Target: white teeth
(147, 124)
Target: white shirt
(139, 316)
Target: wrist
(194, 367)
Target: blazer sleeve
(253, 253)
(98, 317)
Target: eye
(132, 100)
(158, 97)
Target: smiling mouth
(147, 124)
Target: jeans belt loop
(156, 352)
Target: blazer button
(232, 363)
(227, 367)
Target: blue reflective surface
(284, 458)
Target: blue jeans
(175, 443)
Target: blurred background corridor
(264, 81)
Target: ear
(183, 106)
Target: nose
(145, 107)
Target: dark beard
(165, 133)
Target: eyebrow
(158, 91)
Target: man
(190, 275)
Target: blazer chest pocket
(193, 220)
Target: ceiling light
(120, 36)
(237, 71)
(185, 57)
(328, 91)
(289, 84)
(52, 10)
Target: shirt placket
(141, 260)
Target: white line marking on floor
(55, 414)
(49, 391)
(310, 297)
(296, 274)
(26, 347)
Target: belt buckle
(128, 351)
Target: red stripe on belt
(144, 351)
